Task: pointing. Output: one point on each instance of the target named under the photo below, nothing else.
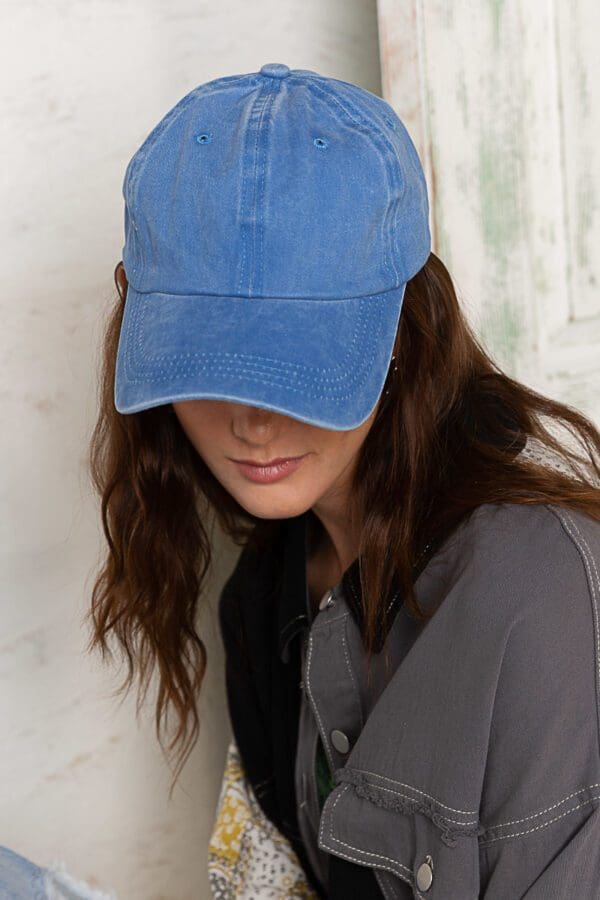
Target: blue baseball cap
(272, 221)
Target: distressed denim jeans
(22, 879)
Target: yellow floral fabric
(248, 857)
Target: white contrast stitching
(543, 811)
(503, 837)
(381, 877)
(253, 368)
(364, 852)
(326, 622)
(589, 564)
(593, 595)
(315, 705)
(461, 812)
(408, 797)
(347, 658)
(500, 825)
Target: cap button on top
(275, 70)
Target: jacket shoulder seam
(593, 582)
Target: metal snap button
(339, 741)
(275, 70)
(425, 874)
(327, 599)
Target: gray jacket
(472, 768)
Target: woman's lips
(267, 474)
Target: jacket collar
(294, 611)
(293, 608)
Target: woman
(411, 630)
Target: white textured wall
(81, 85)
(503, 102)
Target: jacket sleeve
(541, 789)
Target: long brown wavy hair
(445, 439)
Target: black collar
(294, 612)
(293, 606)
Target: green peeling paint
(496, 11)
(498, 185)
(539, 274)
(502, 332)
(462, 97)
(584, 98)
(586, 207)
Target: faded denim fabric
(22, 879)
(272, 220)
(473, 768)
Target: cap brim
(323, 362)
